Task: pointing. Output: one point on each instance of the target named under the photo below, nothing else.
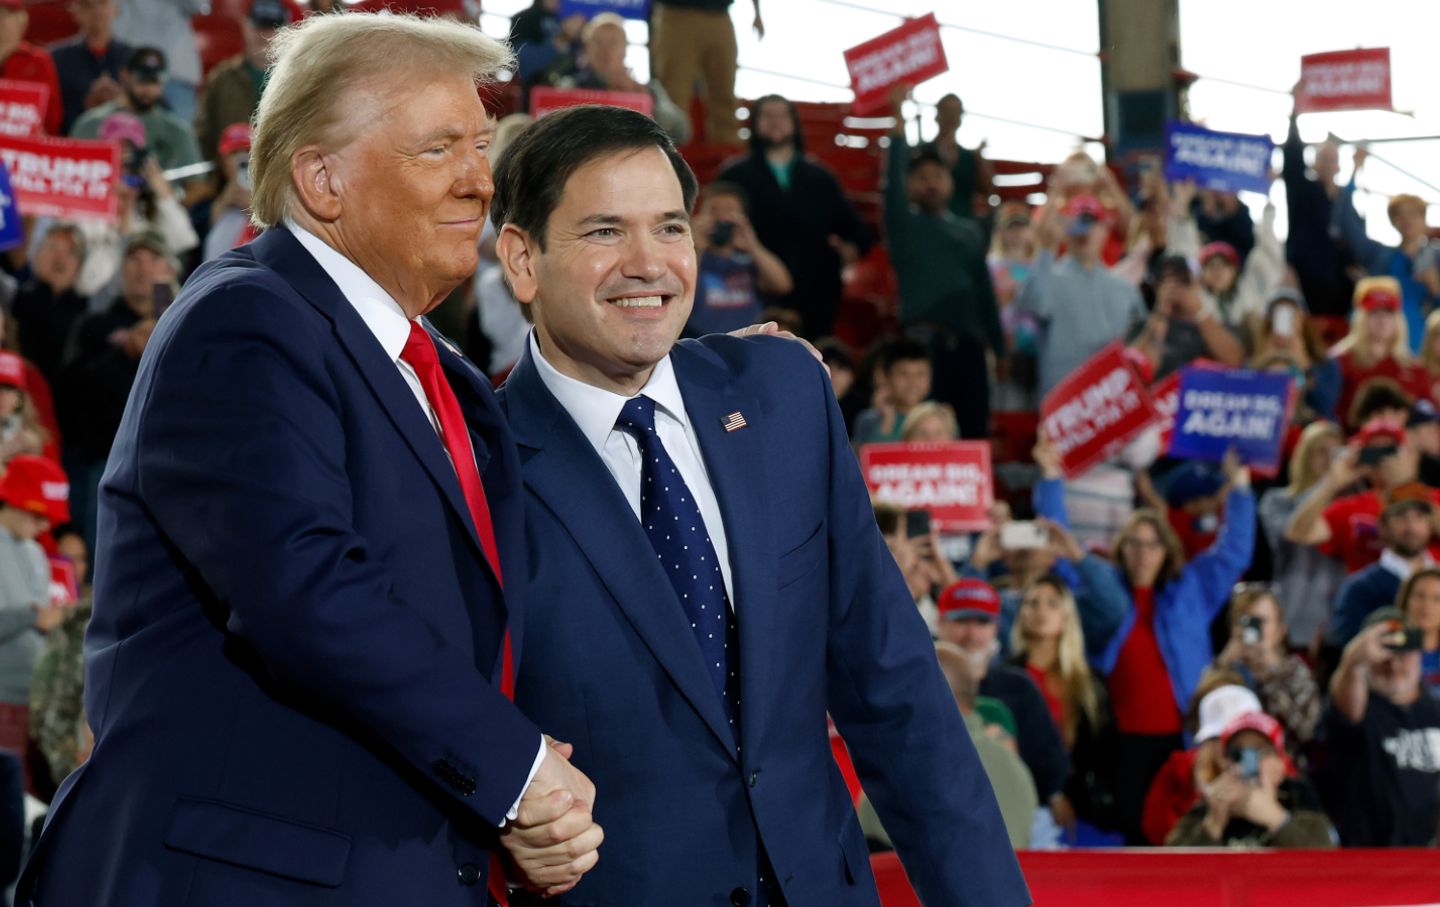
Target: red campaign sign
(907, 55)
(549, 100)
(951, 479)
(1097, 409)
(68, 178)
(1345, 80)
(22, 108)
(64, 589)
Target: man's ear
(517, 251)
(317, 188)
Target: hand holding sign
(907, 55)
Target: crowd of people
(1187, 656)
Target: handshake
(554, 841)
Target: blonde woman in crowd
(1378, 345)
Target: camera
(1250, 630)
(134, 169)
(722, 234)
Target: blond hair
(319, 65)
(1302, 474)
(1403, 200)
(1076, 682)
(1356, 342)
(1428, 358)
(917, 416)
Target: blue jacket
(825, 625)
(1362, 592)
(1184, 607)
(290, 666)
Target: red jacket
(29, 63)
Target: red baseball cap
(1380, 429)
(12, 370)
(1085, 204)
(37, 485)
(236, 137)
(972, 598)
(1378, 293)
(1260, 723)
(1224, 250)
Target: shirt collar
(1394, 563)
(595, 409)
(377, 308)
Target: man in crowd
(234, 86)
(799, 211)
(89, 64)
(1407, 528)
(905, 369)
(605, 44)
(1382, 730)
(169, 138)
(1181, 328)
(946, 298)
(970, 172)
(308, 602)
(709, 579)
(166, 23)
(734, 267)
(694, 40)
(1344, 527)
(46, 307)
(21, 61)
(970, 618)
(1080, 305)
(1319, 261)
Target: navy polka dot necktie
(671, 520)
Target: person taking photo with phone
(734, 268)
(1254, 801)
(1382, 777)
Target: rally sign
(951, 479)
(1224, 408)
(64, 589)
(1096, 410)
(549, 100)
(22, 107)
(1166, 395)
(629, 9)
(1223, 161)
(907, 55)
(69, 178)
(1345, 80)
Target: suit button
(469, 874)
(740, 897)
(754, 779)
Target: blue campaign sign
(630, 9)
(12, 232)
(1224, 408)
(1224, 161)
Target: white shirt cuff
(514, 812)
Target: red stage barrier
(1210, 878)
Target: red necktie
(420, 353)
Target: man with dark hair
(706, 579)
(799, 211)
(946, 298)
(734, 268)
(970, 172)
(906, 375)
(169, 138)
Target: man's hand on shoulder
(554, 841)
(772, 329)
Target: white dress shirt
(387, 321)
(595, 411)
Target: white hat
(1221, 706)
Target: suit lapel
(283, 253)
(735, 461)
(563, 471)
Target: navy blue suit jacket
(290, 664)
(826, 624)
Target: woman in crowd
(1306, 578)
(1049, 643)
(1285, 332)
(20, 429)
(1257, 652)
(1254, 801)
(931, 421)
(1378, 344)
(1170, 603)
(1239, 291)
(1419, 599)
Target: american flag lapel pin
(734, 421)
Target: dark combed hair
(757, 144)
(902, 349)
(537, 165)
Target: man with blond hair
(308, 609)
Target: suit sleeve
(241, 458)
(895, 711)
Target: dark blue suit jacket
(290, 665)
(826, 624)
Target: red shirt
(33, 64)
(1057, 708)
(1355, 531)
(1412, 378)
(1140, 683)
